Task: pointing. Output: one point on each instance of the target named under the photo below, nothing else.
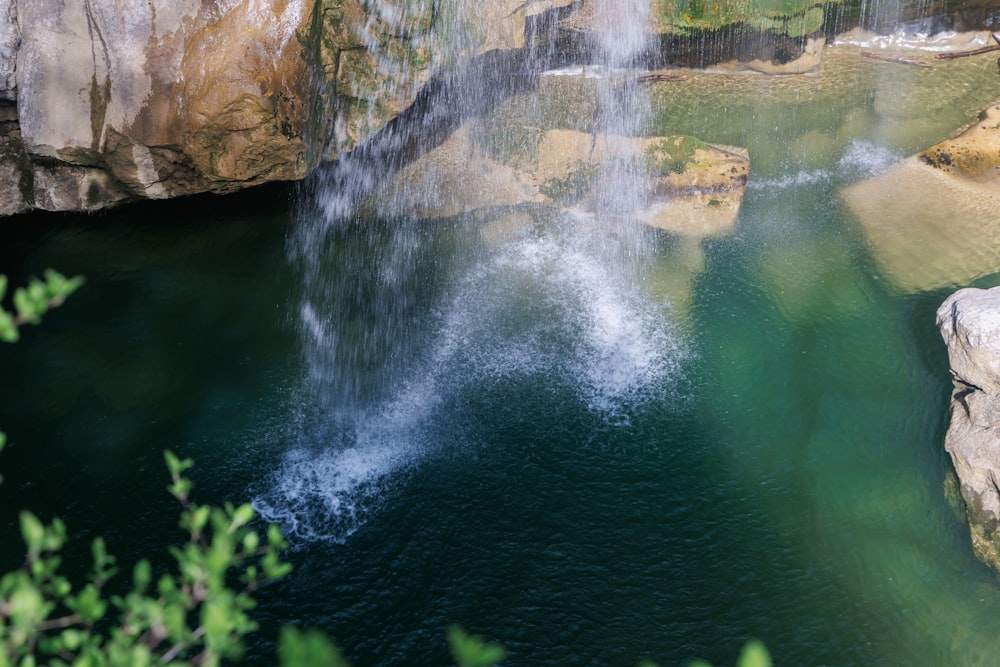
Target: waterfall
(399, 320)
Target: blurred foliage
(32, 302)
(197, 615)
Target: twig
(902, 60)
(656, 78)
(973, 52)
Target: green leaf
(88, 604)
(59, 287)
(8, 330)
(55, 536)
(26, 606)
(217, 620)
(274, 537)
(73, 639)
(273, 567)
(142, 574)
(754, 654)
(27, 308)
(471, 651)
(3, 285)
(175, 465)
(242, 515)
(250, 542)
(32, 531)
(307, 649)
(199, 517)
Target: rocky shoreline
(98, 107)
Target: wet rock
(969, 322)
(932, 219)
(972, 157)
(161, 100)
(454, 178)
(687, 187)
(14, 171)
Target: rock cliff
(969, 321)
(111, 100)
(103, 101)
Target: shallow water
(592, 445)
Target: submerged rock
(932, 219)
(676, 183)
(685, 185)
(969, 321)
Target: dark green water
(515, 430)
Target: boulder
(902, 209)
(969, 322)
(679, 183)
(161, 100)
(676, 183)
(451, 179)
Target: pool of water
(594, 445)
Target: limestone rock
(13, 171)
(973, 156)
(692, 188)
(10, 40)
(156, 99)
(453, 178)
(902, 209)
(688, 187)
(969, 321)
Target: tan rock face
(162, 98)
(170, 97)
(974, 155)
(686, 186)
(692, 188)
(901, 210)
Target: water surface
(592, 444)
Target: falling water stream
(582, 437)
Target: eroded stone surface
(156, 99)
(686, 186)
(932, 219)
(969, 322)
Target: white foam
(553, 308)
(324, 492)
(800, 178)
(863, 159)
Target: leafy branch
(195, 616)
(33, 301)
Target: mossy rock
(571, 189)
(672, 155)
(792, 17)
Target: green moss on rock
(672, 155)
(795, 18)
